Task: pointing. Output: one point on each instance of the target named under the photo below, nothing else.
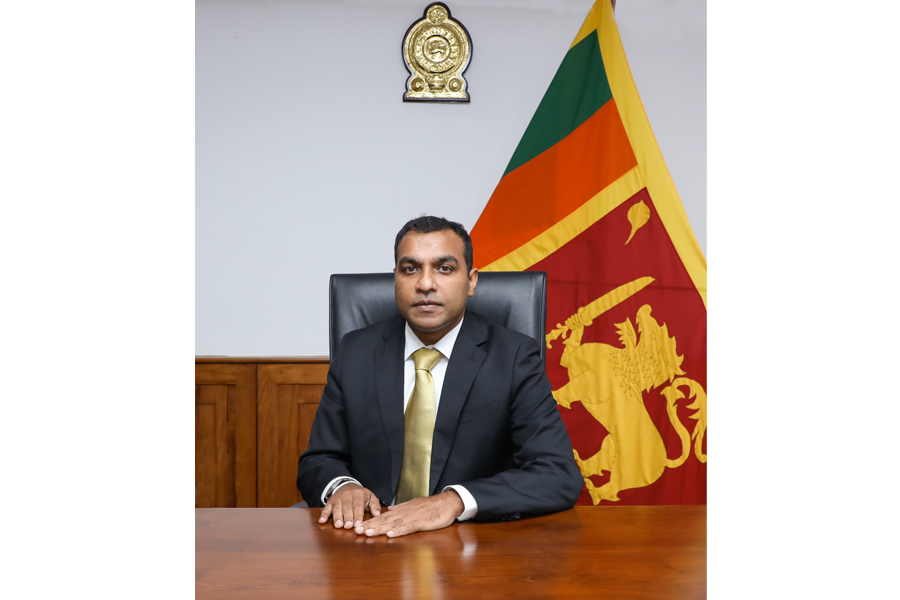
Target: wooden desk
(627, 552)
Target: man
(491, 444)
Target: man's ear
(473, 281)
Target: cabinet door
(225, 435)
(287, 398)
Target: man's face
(431, 283)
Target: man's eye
(409, 269)
(445, 268)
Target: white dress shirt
(445, 347)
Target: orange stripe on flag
(551, 186)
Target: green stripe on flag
(578, 89)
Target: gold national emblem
(436, 50)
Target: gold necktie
(418, 430)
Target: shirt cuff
(470, 507)
(344, 481)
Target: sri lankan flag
(587, 198)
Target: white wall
(308, 162)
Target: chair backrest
(517, 300)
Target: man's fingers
(347, 508)
(403, 528)
(338, 513)
(326, 512)
(341, 503)
(378, 525)
(420, 514)
(374, 505)
(399, 520)
(359, 508)
(391, 527)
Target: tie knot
(426, 358)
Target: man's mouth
(427, 303)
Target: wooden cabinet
(225, 435)
(252, 421)
(287, 399)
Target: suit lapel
(465, 361)
(389, 385)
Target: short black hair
(428, 224)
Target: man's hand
(348, 506)
(419, 514)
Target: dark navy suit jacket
(498, 432)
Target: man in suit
(494, 446)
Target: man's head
(433, 275)
(427, 224)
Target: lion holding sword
(610, 381)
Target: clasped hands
(349, 504)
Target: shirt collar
(443, 345)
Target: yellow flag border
(651, 171)
(646, 150)
(568, 228)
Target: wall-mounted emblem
(437, 51)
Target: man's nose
(425, 282)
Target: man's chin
(427, 325)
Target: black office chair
(516, 299)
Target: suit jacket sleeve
(543, 477)
(328, 453)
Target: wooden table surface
(614, 552)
